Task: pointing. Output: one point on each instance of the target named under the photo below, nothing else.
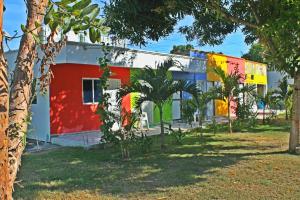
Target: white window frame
(93, 91)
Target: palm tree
(228, 90)
(284, 93)
(157, 86)
(266, 100)
(201, 99)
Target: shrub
(144, 143)
(178, 136)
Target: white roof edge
(134, 50)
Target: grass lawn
(248, 165)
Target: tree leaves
(89, 9)
(76, 15)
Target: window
(91, 90)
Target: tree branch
(224, 13)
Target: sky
(233, 45)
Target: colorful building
(69, 106)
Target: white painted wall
(40, 125)
(84, 53)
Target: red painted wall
(68, 114)
(239, 62)
(232, 63)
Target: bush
(244, 124)
(178, 136)
(214, 125)
(237, 125)
(144, 143)
(188, 110)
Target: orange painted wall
(68, 114)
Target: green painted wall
(167, 113)
(154, 115)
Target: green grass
(250, 165)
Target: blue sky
(233, 45)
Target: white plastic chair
(144, 120)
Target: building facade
(69, 106)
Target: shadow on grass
(74, 169)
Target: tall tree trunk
(5, 189)
(295, 131)
(21, 86)
(286, 114)
(229, 115)
(162, 129)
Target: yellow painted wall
(221, 108)
(256, 73)
(215, 60)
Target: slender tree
(266, 100)
(157, 86)
(228, 90)
(273, 23)
(5, 190)
(201, 100)
(284, 94)
(61, 16)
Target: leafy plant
(178, 136)
(157, 86)
(188, 110)
(214, 125)
(125, 134)
(244, 109)
(201, 100)
(266, 100)
(229, 89)
(144, 143)
(284, 94)
(275, 24)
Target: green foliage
(275, 24)
(144, 143)
(107, 117)
(188, 109)
(284, 94)
(125, 134)
(157, 86)
(229, 90)
(244, 124)
(268, 101)
(214, 126)
(182, 49)
(76, 15)
(202, 99)
(244, 109)
(230, 84)
(255, 53)
(178, 136)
